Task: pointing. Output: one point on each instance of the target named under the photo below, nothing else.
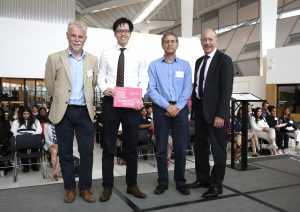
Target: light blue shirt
(170, 82)
(77, 91)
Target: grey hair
(81, 25)
(169, 33)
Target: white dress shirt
(135, 70)
(211, 55)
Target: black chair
(30, 141)
(7, 156)
(145, 146)
(191, 140)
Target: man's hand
(109, 92)
(219, 122)
(172, 110)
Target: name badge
(179, 74)
(89, 73)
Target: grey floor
(274, 186)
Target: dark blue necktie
(201, 77)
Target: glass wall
(28, 92)
(288, 95)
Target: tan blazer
(58, 83)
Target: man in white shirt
(135, 76)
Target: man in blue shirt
(170, 86)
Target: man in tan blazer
(70, 78)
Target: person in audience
(290, 129)
(273, 122)
(250, 110)
(121, 66)
(13, 114)
(34, 110)
(52, 147)
(70, 79)
(27, 124)
(145, 121)
(260, 126)
(149, 111)
(170, 87)
(5, 135)
(265, 111)
(42, 116)
(251, 134)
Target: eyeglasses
(170, 41)
(121, 31)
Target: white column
(268, 18)
(187, 18)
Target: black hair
(255, 114)
(121, 21)
(31, 119)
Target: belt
(76, 106)
(172, 102)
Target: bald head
(209, 40)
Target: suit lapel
(198, 62)
(66, 62)
(86, 63)
(213, 64)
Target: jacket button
(66, 102)
(69, 90)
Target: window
(289, 95)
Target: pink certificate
(128, 97)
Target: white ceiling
(168, 14)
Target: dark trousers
(178, 127)
(76, 120)
(130, 120)
(208, 137)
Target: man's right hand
(109, 92)
(172, 110)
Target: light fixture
(289, 14)
(148, 9)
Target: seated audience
(273, 122)
(260, 126)
(5, 135)
(52, 147)
(290, 129)
(264, 108)
(251, 135)
(34, 110)
(26, 124)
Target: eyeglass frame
(121, 31)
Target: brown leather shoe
(87, 196)
(69, 196)
(135, 191)
(105, 194)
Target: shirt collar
(163, 59)
(71, 55)
(127, 47)
(211, 55)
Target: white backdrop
(26, 45)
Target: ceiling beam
(151, 25)
(106, 6)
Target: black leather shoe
(212, 193)
(184, 190)
(197, 184)
(160, 189)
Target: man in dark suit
(210, 108)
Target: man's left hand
(219, 122)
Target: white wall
(26, 45)
(255, 85)
(283, 65)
